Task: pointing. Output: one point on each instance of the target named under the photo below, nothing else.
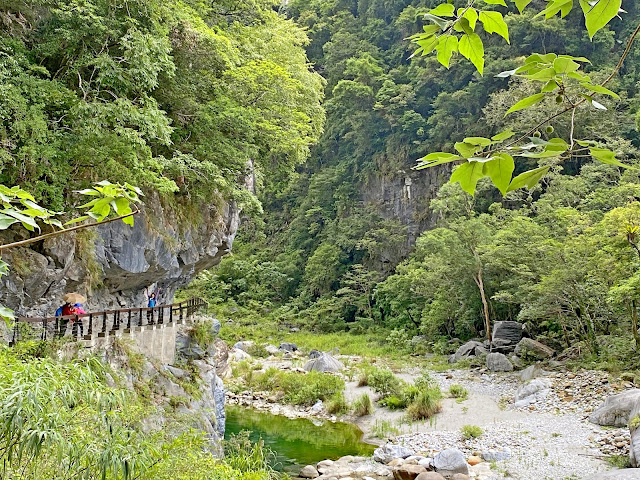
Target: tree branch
(29, 241)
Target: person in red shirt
(69, 309)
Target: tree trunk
(634, 323)
(485, 305)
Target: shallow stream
(297, 442)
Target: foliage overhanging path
(560, 75)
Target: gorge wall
(113, 264)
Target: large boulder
(408, 472)
(507, 330)
(430, 476)
(626, 474)
(466, 350)
(529, 348)
(245, 346)
(634, 428)
(531, 372)
(324, 363)
(532, 392)
(389, 451)
(498, 362)
(288, 347)
(309, 472)
(616, 409)
(450, 461)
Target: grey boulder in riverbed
(615, 410)
(388, 452)
(309, 472)
(498, 362)
(450, 461)
(324, 363)
(535, 390)
(527, 347)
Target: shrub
(337, 404)
(427, 404)
(384, 382)
(458, 391)
(362, 406)
(425, 381)
(471, 431)
(258, 351)
(394, 402)
(300, 388)
(202, 333)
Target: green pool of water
(297, 442)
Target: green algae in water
(297, 442)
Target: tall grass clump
(202, 333)
(362, 406)
(458, 391)
(337, 404)
(426, 404)
(299, 388)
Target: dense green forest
(557, 257)
(181, 98)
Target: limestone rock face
(527, 347)
(616, 409)
(157, 252)
(449, 462)
(324, 363)
(498, 362)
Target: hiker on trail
(151, 304)
(72, 306)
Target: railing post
(181, 314)
(104, 322)
(161, 315)
(90, 330)
(140, 317)
(16, 334)
(44, 329)
(129, 320)
(170, 313)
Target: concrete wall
(156, 342)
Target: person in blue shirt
(152, 303)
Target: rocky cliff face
(405, 197)
(113, 264)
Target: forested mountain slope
(330, 239)
(189, 101)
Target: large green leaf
(6, 313)
(471, 47)
(597, 15)
(502, 136)
(468, 175)
(526, 103)
(466, 149)
(606, 156)
(522, 4)
(446, 46)
(494, 23)
(528, 179)
(6, 221)
(436, 158)
(443, 10)
(600, 89)
(500, 169)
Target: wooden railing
(86, 326)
